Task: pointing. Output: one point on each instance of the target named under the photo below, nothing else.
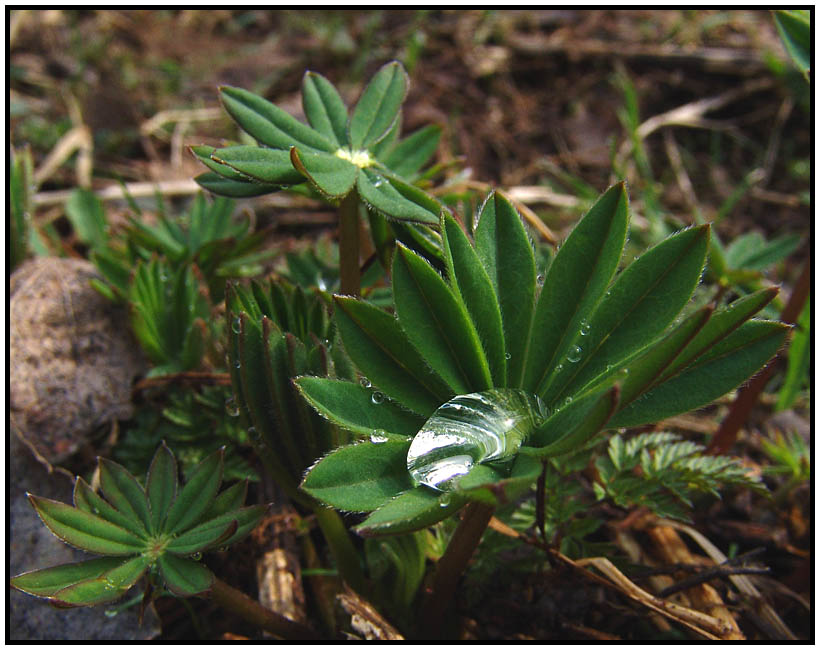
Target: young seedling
(483, 375)
(348, 161)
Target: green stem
(350, 275)
(347, 559)
(251, 611)
(451, 567)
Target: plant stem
(249, 610)
(451, 567)
(347, 559)
(350, 276)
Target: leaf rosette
(483, 371)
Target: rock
(32, 546)
(72, 359)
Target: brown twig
(216, 378)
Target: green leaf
(106, 588)
(415, 509)
(504, 249)
(721, 369)
(799, 360)
(357, 408)
(229, 499)
(124, 492)
(269, 124)
(794, 26)
(721, 324)
(85, 530)
(247, 519)
(396, 199)
(381, 350)
(574, 284)
(213, 182)
(640, 304)
(753, 252)
(437, 325)
(378, 107)
(195, 498)
(87, 500)
(472, 285)
(47, 582)
(203, 536)
(203, 155)
(496, 485)
(324, 109)
(184, 577)
(87, 216)
(268, 166)
(413, 152)
(572, 425)
(360, 477)
(161, 485)
(331, 175)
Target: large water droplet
(470, 429)
(377, 397)
(378, 437)
(574, 354)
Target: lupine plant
(482, 375)
(350, 161)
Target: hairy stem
(347, 559)
(249, 610)
(349, 244)
(451, 567)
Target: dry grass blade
(742, 582)
(77, 139)
(365, 620)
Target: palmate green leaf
(205, 535)
(437, 325)
(378, 107)
(268, 166)
(721, 324)
(412, 510)
(722, 368)
(407, 157)
(235, 189)
(84, 530)
(794, 26)
(196, 497)
(124, 492)
(333, 176)
(357, 408)
(324, 108)
(571, 426)
(184, 577)
(472, 285)
(640, 304)
(106, 588)
(269, 124)
(505, 251)
(395, 199)
(161, 485)
(87, 500)
(381, 350)
(87, 216)
(575, 282)
(360, 477)
(47, 582)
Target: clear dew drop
(236, 325)
(196, 556)
(574, 354)
(444, 500)
(568, 400)
(559, 367)
(111, 613)
(540, 280)
(378, 437)
(377, 397)
(471, 429)
(231, 407)
(365, 382)
(508, 356)
(237, 364)
(584, 327)
(253, 433)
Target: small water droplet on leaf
(231, 407)
(236, 325)
(377, 397)
(378, 437)
(584, 327)
(365, 382)
(574, 354)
